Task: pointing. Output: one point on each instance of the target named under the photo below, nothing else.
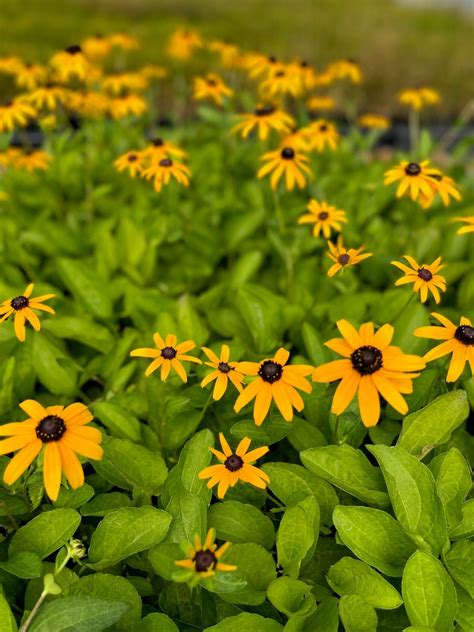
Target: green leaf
(6, 616)
(53, 368)
(413, 315)
(256, 567)
(292, 483)
(103, 504)
(348, 469)
(74, 498)
(239, 522)
(262, 313)
(374, 537)
(453, 482)
(120, 423)
(291, 596)
(158, 622)
(46, 533)
(357, 615)
(459, 562)
(87, 289)
(246, 622)
(85, 614)
(267, 434)
(101, 586)
(315, 349)
(428, 593)
(465, 528)
(23, 564)
(352, 577)
(297, 535)
(124, 532)
(433, 425)
(465, 613)
(128, 465)
(12, 505)
(83, 330)
(326, 617)
(414, 498)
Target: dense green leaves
(297, 535)
(45, 533)
(239, 522)
(87, 614)
(357, 615)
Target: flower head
(277, 381)
(324, 217)
(161, 172)
(445, 187)
(344, 257)
(281, 81)
(373, 121)
(124, 82)
(264, 119)
(469, 224)
(23, 307)
(96, 47)
(418, 98)
(70, 63)
(371, 365)
(235, 467)
(457, 340)
(322, 134)
(183, 43)
(32, 160)
(345, 69)
(160, 148)
(204, 559)
(288, 163)
(16, 113)
(62, 432)
(127, 105)
(124, 41)
(132, 162)
(30, 76)
(167, 354)
(424, 277)
(211, 87)
(316, 103)
(47, 97)
(224, 370)
(416, 179)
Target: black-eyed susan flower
(10, 64)
(32, 160)
(131, 162)
(152, 72)
(296, 139)
(259, 65)
(287, 163)
(320, 103)
(424, 277)
(96, 47)
(230, 56)
(281, 81)
(183, 43)
(324, 218)
(305, 72)
(127, 105)
(167, 355)
(322, 134)
(22, 307)
(211, 87)
(373, 121)
(47, 97)
(30, 76)
(122, 82)
(160, 172)
(70, 63)
(123, 41)
(344, 257)
(62, 432)
(418, 98)
(16, 113)
(224, 370)
(264, 119)
(371, 365)
(88, 103)
(415, 178)
(345, 69)
(274, 381)
(469, 224)
(445, 187)
(160, 148)
(235, 467)
(457, 340)
(204, 559)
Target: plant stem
(414, 130)
(278, 212)
(32, 614)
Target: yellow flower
(23, 306)
(162, 171)
(153, 72)
(183, 43)
(281, 81)
(160, 148)
(32, 160)
(15, 113)
(96, 47)
(123, 41)
(322, 134)
(123, 82)
(371, 365)
(128, 105)
(445, 187)
(47, 97)
(167, 355)
(274, 380)
(373, 121)
(265, 118)
(457, 340)
(62, 432)
(345, 69)
(229, 54)
(204, 559)
(70, 63)
(287, 163)
(424, 277)
(10, 65)
(30, 76)
(320, 103)
(418, 98)
(235, 467)
(416, 178)
(259, 65)
(130, 162)
(305, 72)
(88, 104)
(468, 228)
(344, 257)
(224, 371)
(323, 216)
(211, 87)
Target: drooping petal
(263, 401)
(282, 401)
(369, 402)
(345, 392)
(248, 394)
(71, 466)
(332, 371)
(34, 409)
(389, 391)
(52, 470)
(21, 461)
(457, 364)
(349, 333)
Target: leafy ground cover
(297, 455)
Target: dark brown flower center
(205, 560)
(19, 302)
(166, 162)
(323, 215)
(323, 128)
(287, 153)
(224, 367)
(272, 59)
(132, 158)
(343, 259)
(304, 64)
(465, 335)
(367, 360)
(157, 142)
(50, 428)
(425, 274)
(413, 169)
(168, 353)
(280, 73)
(233, 463)
(211, 83)
(270, 371)
(74, 49)
(265, 110)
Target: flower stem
(32, 614)
(414, 130)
